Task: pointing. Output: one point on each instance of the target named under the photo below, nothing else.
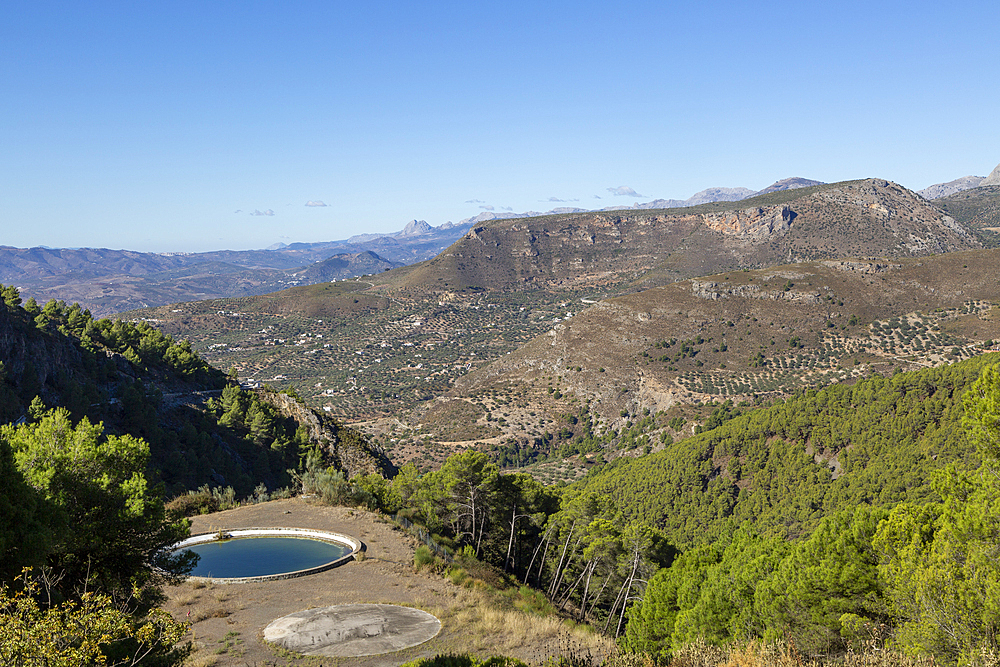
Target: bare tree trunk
(514, 516)
(597, 598)
(565, 599)
(510, 543)
(569, 560)
(545, 539)
(631, 577)
(586, 589)
(482, 529)
(558, 574)
(611, 614)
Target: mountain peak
(789, 184)
(416, 228)
(718, 194)
(993, 178)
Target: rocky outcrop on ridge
(351, 452)
(751, 223)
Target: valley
(522, 322)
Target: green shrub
(192, 503)
(458, 576)
(423, 557)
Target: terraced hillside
(745, 334)
(347, 347)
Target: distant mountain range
(951, 187)
(110, 281)
(707, 196)
(940, 190)
(866, 218)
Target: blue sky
(149, 125)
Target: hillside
(201, 428)
(342, 266)
(427, 325)
(873, 443)
(977, 208)
(747, 334)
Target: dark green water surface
(260, 556)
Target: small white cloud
(560, 201)
(239, 210)
(316, 202)
(624, 191)
(486, 208)
(597, 196)
(264, 212)
(506, 208)
(474, 201)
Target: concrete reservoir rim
(322, 535)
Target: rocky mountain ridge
(706, 196)
(939, 190)
(867, 218)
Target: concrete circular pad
(352, 630)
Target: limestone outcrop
(751, 223)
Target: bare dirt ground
(228, 619)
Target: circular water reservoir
(259, 554)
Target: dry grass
(490, 628)
(187, 599)
(202, 660)
(210, 612)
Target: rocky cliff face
(751, 223)
(351, 452)
(34, 360)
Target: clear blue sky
(149, 125)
